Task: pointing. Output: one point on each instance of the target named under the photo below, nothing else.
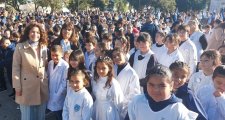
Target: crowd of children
(104, 66)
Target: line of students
(113, 90)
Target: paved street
(8, 108)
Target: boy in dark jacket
(6, 57)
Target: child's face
(159, 38)
(170, 45)
(6, 43)
(118, 44)
(144, 46)
(179, 77)
(66, 57)
(102, 69)
(118, 58)
(222, 51)
(73, 63)
(7, 34)
(129, 29)
(183, 34)
(206, 63)
(159, 88)
(56, 56)
(76, 82)
(107, 42)
(66, 33)
(219, 83)
(89, 47)
(97, 51)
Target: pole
(5, 3)
(78, 5)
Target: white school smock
(195, 39)
(214, 106)
(131, 51)
(158, 51)
(198, 80)
(167, 59)
(108, 101)
(139, 109)
(57, 84)
(140, 66)
(78, 105)
(129, 83)
(189, 52)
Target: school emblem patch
(76, 108)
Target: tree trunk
(35, 7)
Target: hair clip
(106, 58)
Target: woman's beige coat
(216, 38)
(29, 75)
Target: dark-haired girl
(106, 91)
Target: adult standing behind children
(68, 38)
(216, 38)
(28, 73)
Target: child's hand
(217, 93)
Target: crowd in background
(114, 66)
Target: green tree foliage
(10, 9)
(14, 3)
(55, 5)
(79, 4)
(121, 5)
(40, 3)
(100, 4)
(139, 4)
(164, 5)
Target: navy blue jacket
(190, 101)
(6, 57)
(150, 28)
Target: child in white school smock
(209, 60)
(172, 53)
(143, 59)
(57, 72)
(187, 48)
(212, 96)
(127, 78)
(78, 103)
(106, 90)
(159, 103)
(159, 47)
